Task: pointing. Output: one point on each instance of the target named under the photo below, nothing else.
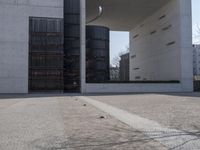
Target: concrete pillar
(186, 45)
(83, 44)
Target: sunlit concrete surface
(176, 110)
(147, 121)
(51, 122)
(171, 119)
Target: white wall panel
(156, 59)
(14, 38)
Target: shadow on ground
(136, 140)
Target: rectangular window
(45, 54)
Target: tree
(197, 35)
(116, 60)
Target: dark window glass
(97, 54)
(72, 45)
(46, 54)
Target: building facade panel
(14, 39)
(155, 46)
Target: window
(46, 54)
(170, 43)
(167, 27)
(153, 32)
(137, 77)
(135, 36)
(161, 17)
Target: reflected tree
(117, 58)
(197, 34)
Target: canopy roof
(121, 15)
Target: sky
(120, 40)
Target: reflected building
(124, 67)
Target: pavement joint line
(171, 138)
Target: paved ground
(179, 111)
(172, 136)
(64, 123)
(42, 122)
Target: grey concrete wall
(132, 87)
(14, 38)
(83, 45)
(186, 54)
(149, 52)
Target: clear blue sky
(120, 40)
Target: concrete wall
(14, 38)
(83, 45)
(155, 45)
(132, 87)
(186, 45)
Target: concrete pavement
(188, 139)
(180, 111)
(64, 123)
(100, 122)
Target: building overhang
(121, 15)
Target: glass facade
(72, 45)
(54, 51)
(97, 54)
(45, 54)
(54, 57)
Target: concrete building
(124, 67)
(196, 60)
(160, 42)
